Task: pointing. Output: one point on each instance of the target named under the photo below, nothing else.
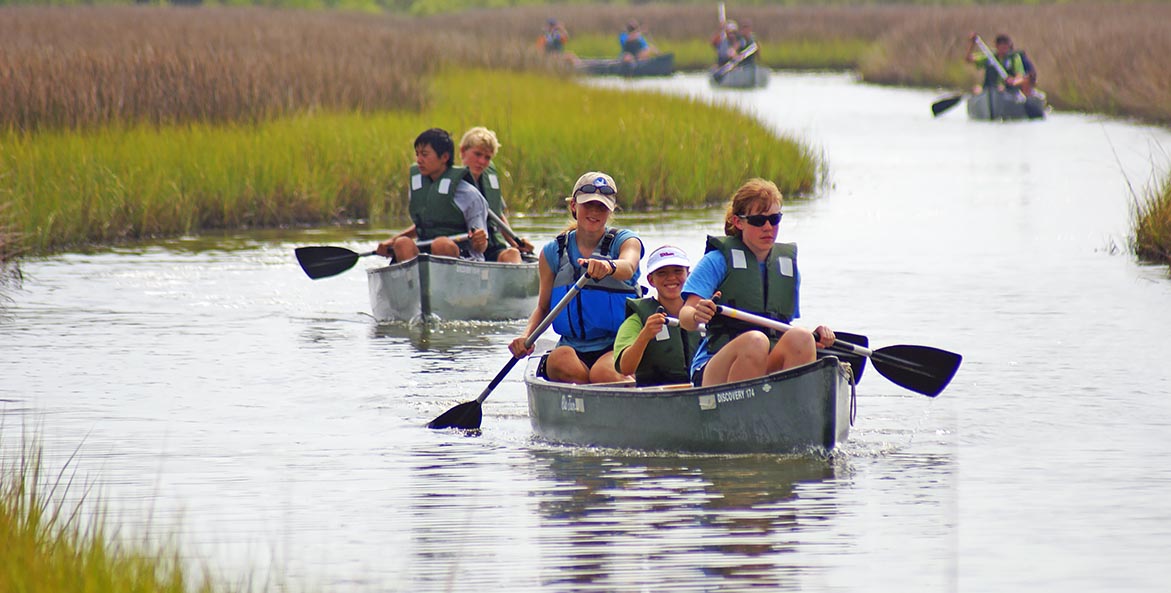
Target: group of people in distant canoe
(610, 331)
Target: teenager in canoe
(646, 347)
(748, 270)
(608, 255)
(442, 203)
(476, 149)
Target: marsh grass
(121, 183)
(1152, 224)
(54, 537)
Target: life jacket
(489, 186)
(553, 41)
(773, 294)
(432, 206)
(599, 309)
(667, 358)
(632, 46)
(992, 77)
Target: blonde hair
(756, 194)
(479, 137)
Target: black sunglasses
(760, 219)
(605, 190)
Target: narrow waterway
(267, 424)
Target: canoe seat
(622, 383)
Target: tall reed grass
(54, 539)
(1152, 224)
(117, 183)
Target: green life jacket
(1009, 62)
(489, 186)
(666, 360)
(432, 206)
(772, 294)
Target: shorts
(492, 253)
(697, 376)
(588, 358)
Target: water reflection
(610, 522)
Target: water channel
(267, 425)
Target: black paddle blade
(322, 262)
(942, 105)
(857, 362)
(465, 416)
(921, 369)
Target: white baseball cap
(667, 255)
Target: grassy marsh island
(154, 121)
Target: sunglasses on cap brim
(605, 190)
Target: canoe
(997, 104)
(807, 408)
(660, 65)
(745, 76)
(433, 287)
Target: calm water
(269, 425)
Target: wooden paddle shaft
(783, 327)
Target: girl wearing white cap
(748, 270)
(609, 256)
(646, 346)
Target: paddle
(467, 416)
(326, 261)
(945, 103)
(1031, 109)
(723, 71)
(921, 369)
(504, 228)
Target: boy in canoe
(476, 149)
(1021, 73)
(608, 255)
(647, 347)
(442, 204)
(748, 270)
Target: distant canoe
(432, 287)
(744, 76)
(997, 104)
(660, 65)
(793, 411)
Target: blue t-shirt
(572, 252)
(705, 279)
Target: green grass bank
(70, 188)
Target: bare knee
(404, 249)
(603, 370)
(444, 247)
(564, 366)
(796, 347)
(509, 256)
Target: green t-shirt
(627, 334)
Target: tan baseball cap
(595, 186)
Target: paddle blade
(465, 416)
(942, 105)
(921, 369)
(322, 262)
(857, 362)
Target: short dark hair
(439, 141)
(1002, 38)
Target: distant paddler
(476, 149)
(634, 43)
(441, 204)
(1011, 68)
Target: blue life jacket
(600, 308)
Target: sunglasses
(605, 190)
(760, 219)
